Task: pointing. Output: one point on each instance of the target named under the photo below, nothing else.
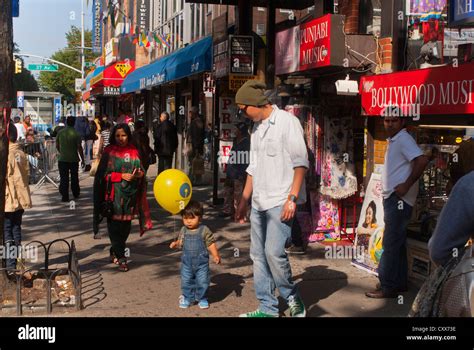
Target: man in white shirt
(278, 164)
(21, 131)
(404, 164)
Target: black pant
(296, 234)
(118, 234)
(164, 162)
(64, 169)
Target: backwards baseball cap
(252, 93)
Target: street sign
(20, 102)
(15, 8)
(79, 83)
(44, 67)
(89, 64)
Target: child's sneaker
(183, 302)
(203, 304)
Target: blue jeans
(195, 275)
(271, 267)
(393, 267)
(12, 231)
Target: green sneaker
(256, 313)
(296, 305)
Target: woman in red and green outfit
(121, 166)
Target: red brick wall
(384, 57)
(350, 9)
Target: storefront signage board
(312, 45)
(442, 90)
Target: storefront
(105, 87)
(173, 83)
(438, 105)
(310, 59)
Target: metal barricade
(42, 157)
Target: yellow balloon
(172, 189)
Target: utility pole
(6, 99)
(83, 58)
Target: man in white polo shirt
(404, 164)
(278, 164)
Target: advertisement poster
(227, 116)
(369, 232)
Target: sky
(42, 25)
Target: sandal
(123, 266)
(113, 259)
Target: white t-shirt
(20, 130)
(401, 150)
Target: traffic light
(18, 66)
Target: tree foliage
(63, 81)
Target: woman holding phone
(120, 175)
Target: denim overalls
(194, 266)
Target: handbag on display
(107, 206)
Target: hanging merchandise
(433, 31)
(338, 180)
(325, 218)
(427, 9)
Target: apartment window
(198, 17)
(192, 21)
(181, 28)
(203, 21)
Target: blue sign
(97, 26)
(461, 13)
(20, 99)
(57, 110)
(15, 8)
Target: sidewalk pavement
(152, 286)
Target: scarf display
(338, 180)
(325, 215)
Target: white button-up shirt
(276, 147)
(402, 149)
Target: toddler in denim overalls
(195, 240)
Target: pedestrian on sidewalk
(105, 126)
(68, 144)
(404, 164)
(236, 170)
(17, 198)
(276, 182)
(121, 168)
(142, 143)
(166, 141)
(196, 241)
(82, 126)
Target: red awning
(113, 75)
(441, 90)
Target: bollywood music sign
(442, 90)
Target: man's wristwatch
(292, 198)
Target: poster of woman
(369, 232)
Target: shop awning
(193, 59)
(112, 75)
(87, 82)
(444, 90)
